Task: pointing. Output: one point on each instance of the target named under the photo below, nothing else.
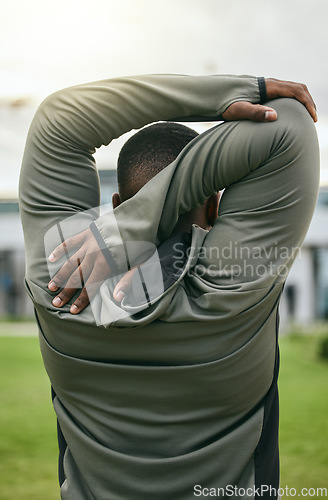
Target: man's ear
(212, 208)
(116, 200)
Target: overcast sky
(50, 45)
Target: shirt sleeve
(58, 176)
(270, 172)
(91, 115)
(70, 124)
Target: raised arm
(58, 175)
(260, 165)
(91, 115)
(215, 160)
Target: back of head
(148, 152)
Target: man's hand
(124, 286)
(85, 269)
(243, 110)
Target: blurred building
(12, 294)
(304, 300)
(13, 298)
(306, 292)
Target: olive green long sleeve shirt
(155, 400)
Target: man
(174, 391)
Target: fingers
(87, 277)
(66, 246)
(80, 271)
(243, 110)
(81, 302)
(279, 88)
(260, 113)
(303, 95)
(90, 289)
(123, 286)
(75, 282)
(300, 92)
(67, 270)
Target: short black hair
(148, 152)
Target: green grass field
(28, 453)
(303, 413)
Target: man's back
(184, 399)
